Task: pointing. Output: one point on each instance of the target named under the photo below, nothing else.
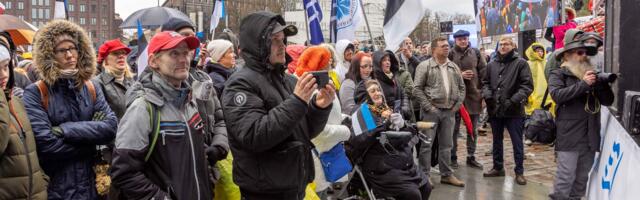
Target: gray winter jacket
(429, 87)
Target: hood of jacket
(341, 47)
(377, 65)
(511, 56)
(44, 55)
(255, 34)
(531, 53)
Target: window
(72, 19)
(34, 2)
(46, 2)
(82, 8)
(93, 21)
(34, 13)
(82, 21)
(20, 5)
(41, 2)
(104, 22)
(7, 5)
(93, 33)
(90, 33)
(21, 17)
(70, 7)
(41, 13)
(93, 8)
(46, 13)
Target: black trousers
(246, 195)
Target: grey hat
(591, 49)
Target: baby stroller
(393, 143)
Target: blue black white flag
(400, 18)
(362, 120)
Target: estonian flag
(143, 55)
(218, 12)
(362, 120)
(60, 10)
(400, 19)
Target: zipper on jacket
(193, 154)
(163, 134)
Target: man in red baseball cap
(164, 159)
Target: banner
(314, 16)
(613, 174)
(497, 17)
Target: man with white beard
(579, 93)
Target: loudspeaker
(622, 49)
(525, 39)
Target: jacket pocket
(284, 169)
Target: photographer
(579, 93)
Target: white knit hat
(217, 48)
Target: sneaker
(494, 173)
(528, 142)
(471, 162)
(520, 179)
(451, 180)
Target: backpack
(541, 127)
(44, 93)
(154, 114)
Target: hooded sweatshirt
(342, 66)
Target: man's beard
(579, 67)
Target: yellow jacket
(536, 64)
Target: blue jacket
(69, 160)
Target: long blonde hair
(127, 69)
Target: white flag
(218, 12)
(346, 17)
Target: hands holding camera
(305, 87)
(590, 77)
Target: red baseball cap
(111, 46)
(169, 40)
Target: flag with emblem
(346, 16)
(314, 16)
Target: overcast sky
(126, 7)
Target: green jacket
(429, 88)
(20, 174)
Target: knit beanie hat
(217, 49)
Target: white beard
(579, 68)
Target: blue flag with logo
(346, 16)
(314, 16)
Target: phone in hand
(322, 78)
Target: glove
(505, 106)
(215, 153)
(396, 121)
(57, 131)
(99, 116)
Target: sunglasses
(581, 52)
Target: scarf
(68, 73)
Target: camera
(604, 77)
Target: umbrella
(153, 17)
(21, 32)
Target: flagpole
(306, 23)
(367, 22)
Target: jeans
(471, 142)
(515, 126)
(444, 129)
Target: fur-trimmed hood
(44, 55)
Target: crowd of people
(161, 133)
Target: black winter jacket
(577, 130)
(270, 129)
(506, 85)
(394, 93)
(219, 75)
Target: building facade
(97, 17)
(200, 12)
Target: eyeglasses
(118, 53)
(581, 52)
(444, 46)
(73, 50)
